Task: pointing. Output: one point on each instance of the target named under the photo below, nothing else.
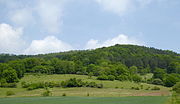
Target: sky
(47, 26)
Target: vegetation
(121, 70)
(9, 93)
(85, 100)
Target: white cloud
(45, 14)
(49, 44)
(10, 39)
(120, 39)
(50, 12)
(119, 7)
(22, 17)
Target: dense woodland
(119, 62)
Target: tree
(7, 74)
(136, 78)
(10, 75)
(157, 81)
(159, 73)
(133, 70)
(176, 87)
(171, 80)
(111, 77)
(19, 66)
(174, 67)
(90, 74)
(102, 77)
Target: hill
(119, 62)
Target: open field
(111, 88)
(85, 100)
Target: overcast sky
(44, 26)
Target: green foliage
(123, 78)
(102, 77)
(64, 94)
(73, 82)
(47, 92)
(174, 67)
(155, 88)
(157, 82)
(171, 80)
(8, 85)
(133, 70)
(136, 78)
(176, 87)
(121, 62)
(90, 74)
(9, 93)
(8, 74)
(111, 77)
(159, 73)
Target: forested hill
(120, 62)
(129, 55)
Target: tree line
(119, 62)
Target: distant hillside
(120, 62)
(129, 55)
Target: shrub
(8, 85)
(136, 78)
(122, 78)
(36, 86)
(111, 77)
(137, 88)
(92, 84)
(176, 87)
(64, 94)
(155, 88)
(9, 93)
(171, 80)
(102, 77)
(88, 94)
(46, 93)
(99, 85)
(157, 82)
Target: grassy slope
(85, 100)
(109, 90)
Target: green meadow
(85, 100)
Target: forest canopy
(119, 62)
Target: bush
(46, 93)
(122, 78)
(136, 78)
(8, 85)
(171, 80)
(92, 84)
(36, 86)
(111, 77)
(102, 77)
(155, 88)
(157, 82)
(73, 82)
(64, 94)
(176, 87)
(99, 85)
(135, 88)
(9, 93)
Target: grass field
(85, 100)
(111, 88)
